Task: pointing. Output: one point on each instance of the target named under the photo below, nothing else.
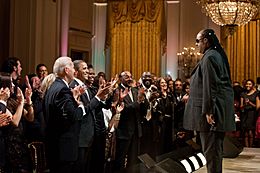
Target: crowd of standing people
(72, 120)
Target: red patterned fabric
(257, 129)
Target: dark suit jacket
(86, 134)
(100, 128)
(2, 108)
(2, 142)
(130, 119)
(210, 93)
(63, 118)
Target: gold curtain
(243, 51)
(134, 36)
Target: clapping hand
(28, 90)
(19, 95)
(154, 95)
(141, 95)
(120, 107)
(116, 118)
(27, 82)
(185, 98)
(77, 92)
(123, 93)
(5, 119)
(112, 84)
(4, 94)
(114, 81)
(210, 119)
(28, 95)
(103, 91)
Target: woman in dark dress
(248, 115)
(5, 117)
(165, 109)
(237, 101)
(16, 154)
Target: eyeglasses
(198, 40)
(43, 71)
(127, 76)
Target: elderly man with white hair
(63, 113)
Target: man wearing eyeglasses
(41, 71)
(210, 109)
(129, 131)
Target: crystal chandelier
(230, 12)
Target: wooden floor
(247, 161)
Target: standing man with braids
(210, 105)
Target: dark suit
(63, 118)
(129, 131)
(2, 142)
(86, 134)
(88, 121)
(99, 141)
(211, 93)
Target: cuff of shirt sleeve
(97, 98)
(83, 109)
(104, 102)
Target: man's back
(62, 122)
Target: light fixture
(230, 12)
(187, 60)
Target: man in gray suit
(210, 108)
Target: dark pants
(150, 141)
(55, 164)
(212, 146)
(63, 167)
(2, 151)
(129, 148)
(83, 163)
(97, 163)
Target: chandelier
(187, 60)
(230, 12)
